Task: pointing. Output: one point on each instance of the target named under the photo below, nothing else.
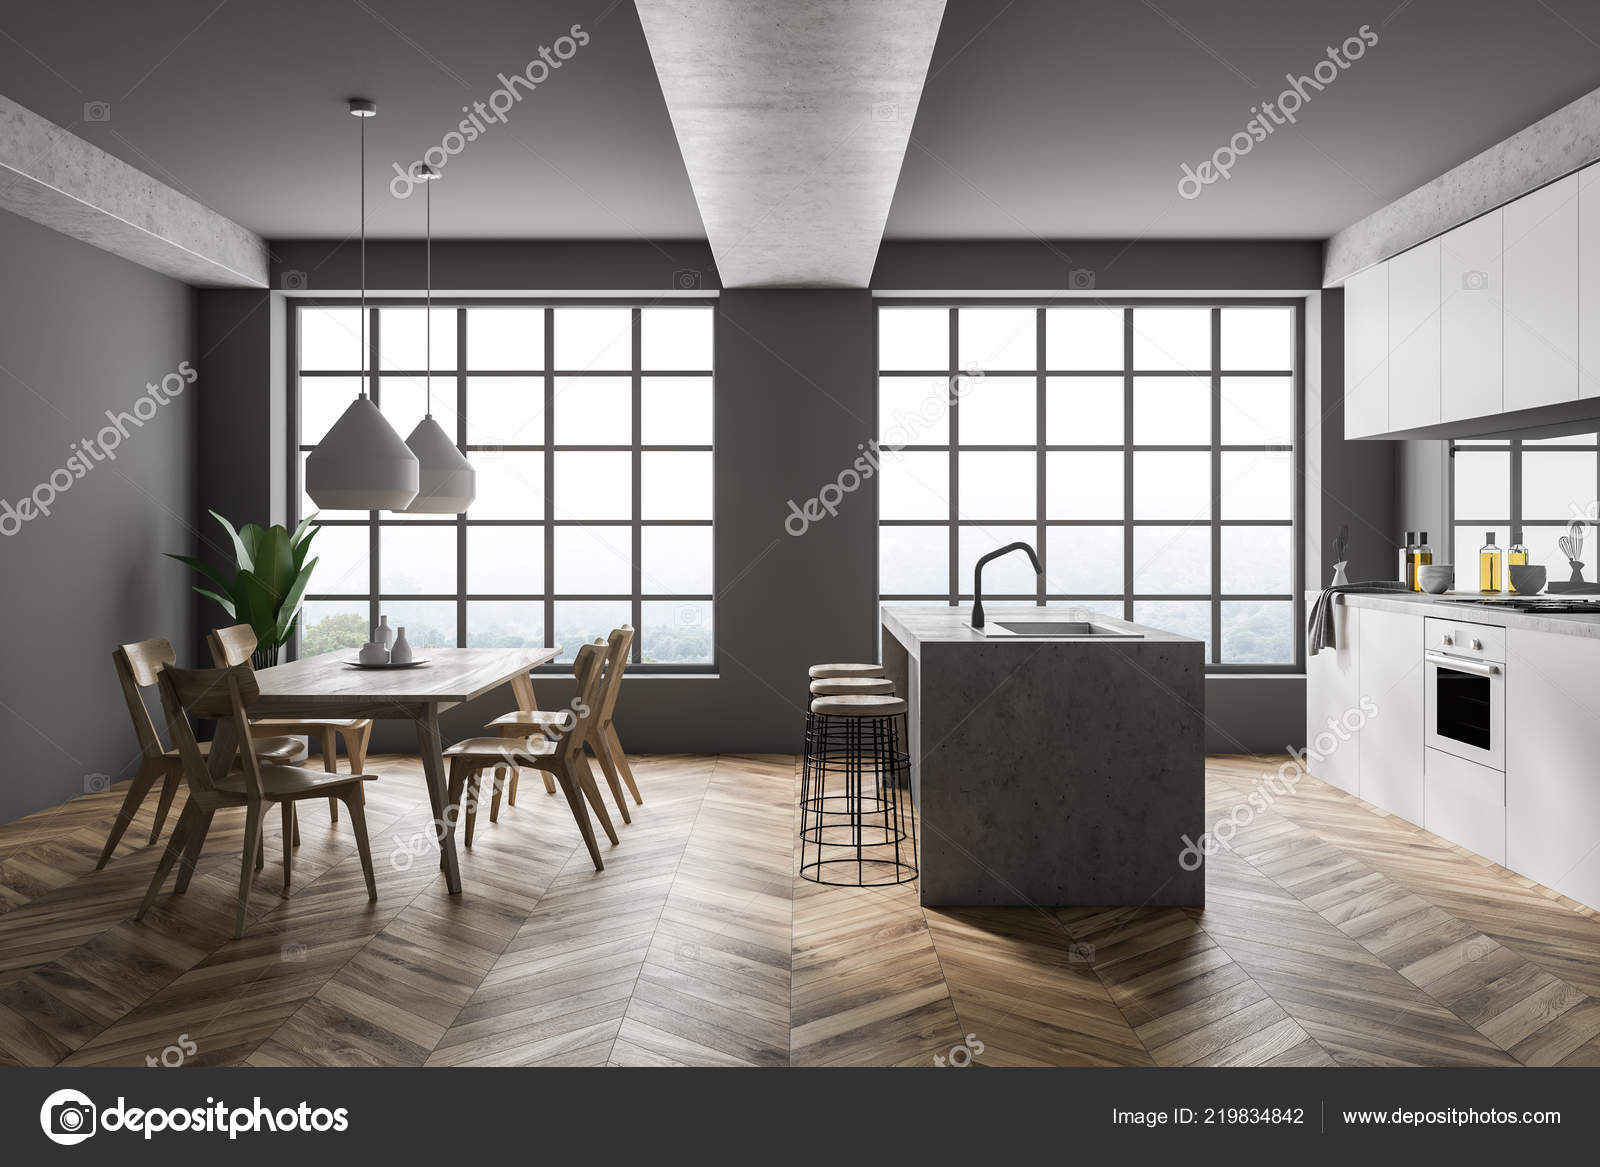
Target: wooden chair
(226, 695)
(234, 646)
(558, 753)
(137, 667)
(603, 740)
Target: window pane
(997, 339)
(1257, 486)
(1258, 560)
(1171, 485)
(1483, 484)
(1084, 561)
(580, 622)
(677, 561)
(1009, 575)
(593, 338)
(1557, 484)
(676, 338)
(402, 343)
(330, 338)
(1542, 548)
(1172, 411)
(594, 560)
(341, 555)
(510, 484)
(998, 486)
(308, 508)
(675, 632)
(913, 485)
(1083, 485)
(505, 338)
(998, 411)
(676, 411)
(1190, 618)
(505, 624)
(1257, 411)
(1257, 338)
(1172, 560)
(676, 485)
(505, 560)
(428, 623)
(913, 411)
(914, 561)
(913, 338)
(505, 411)
(1469, 539)
(330, 625)
(323, 401)
(594, 485)
(404, 401)
(1172, 338)
(594, 411)
(413, 560)
(1083, 411)
(1257, 631)
(1083, 338)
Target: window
(590, 426)
(1537, 487)
(1146, 451)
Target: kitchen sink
(1053, 628)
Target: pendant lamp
(447, 483)
(361, 464)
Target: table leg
(430, 746)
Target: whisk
(1571, 545)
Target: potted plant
(270, 574)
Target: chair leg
(620, 757)
(549, 782)
(261, 851)
(169, 787)
(290, 830)
(470, 806)
(137, 789)
(252, 841)
(294, 819)
(355, 802)
(355, 744)
(613, 780)
(580, 813)
(592, 792)
(330, 763)
(458, 782)
(180, 834)
(494, 801)
(511, 795)
(198, 830)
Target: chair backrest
(138, 666)
(588, 669)
(226, 696)
(619, 650)
(231, 646)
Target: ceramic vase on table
(1339, 577)
(383, 634)
(373, 652)
(400, 654)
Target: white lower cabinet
(1465, 803)
(1391, 678)
(1333, 688)
(1552, 779)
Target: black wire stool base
(867, 825)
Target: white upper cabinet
(1414, 337)
(1366, 352)
(1471, 336)
(1589, 281)
(1541, 298)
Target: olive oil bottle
(1491, 571)
(1516, 555)
(1421, 556)
(1407, 568)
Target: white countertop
(943, 624)
(1573, 624)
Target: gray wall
(82, 332)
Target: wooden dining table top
(451, 676)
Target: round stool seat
(859, 705)
(842, 686)
(823, 672)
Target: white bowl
(1436, 578)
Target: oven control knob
(1447, 640)
(1477, 645)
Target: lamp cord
(427, 316)
(365, 375)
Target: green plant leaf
(250, 538)
(275, 561)
(204, 569)
(291, 602)
(302, 547)
(225, 604)
(300, 530)
(241, 555)
(258, 607)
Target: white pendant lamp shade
(446, 483)
(362, 465)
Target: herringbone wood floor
(1333, 934)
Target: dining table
(328, 685)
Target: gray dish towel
(1319, 626)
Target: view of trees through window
(1535, 486)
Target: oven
(1465, 695)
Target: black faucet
(977, 577)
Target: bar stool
(855, 738)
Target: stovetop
(1541, 604)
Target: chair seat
(535, 718)
(284, 751)
(843, 686)
(505, 751)
(268, 726)
(859, 705)
(823, 672)
(287, 781)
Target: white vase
(1339, 577)
(373, 652)
(400, 654)
(383, 634)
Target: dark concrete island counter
(1051, 771)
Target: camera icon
(885, 111)
(688, 616)
(97, 111)
(1280, 448)
(686, 279)
(1080, 279)
(295, 281)
(293, 953)
(95, 783)
(1080, 953)
(67, 1117)
(1474, 281)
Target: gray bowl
(1436, 578)
(1527, 579)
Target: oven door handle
(1463, 665)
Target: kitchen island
(1051, 771)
